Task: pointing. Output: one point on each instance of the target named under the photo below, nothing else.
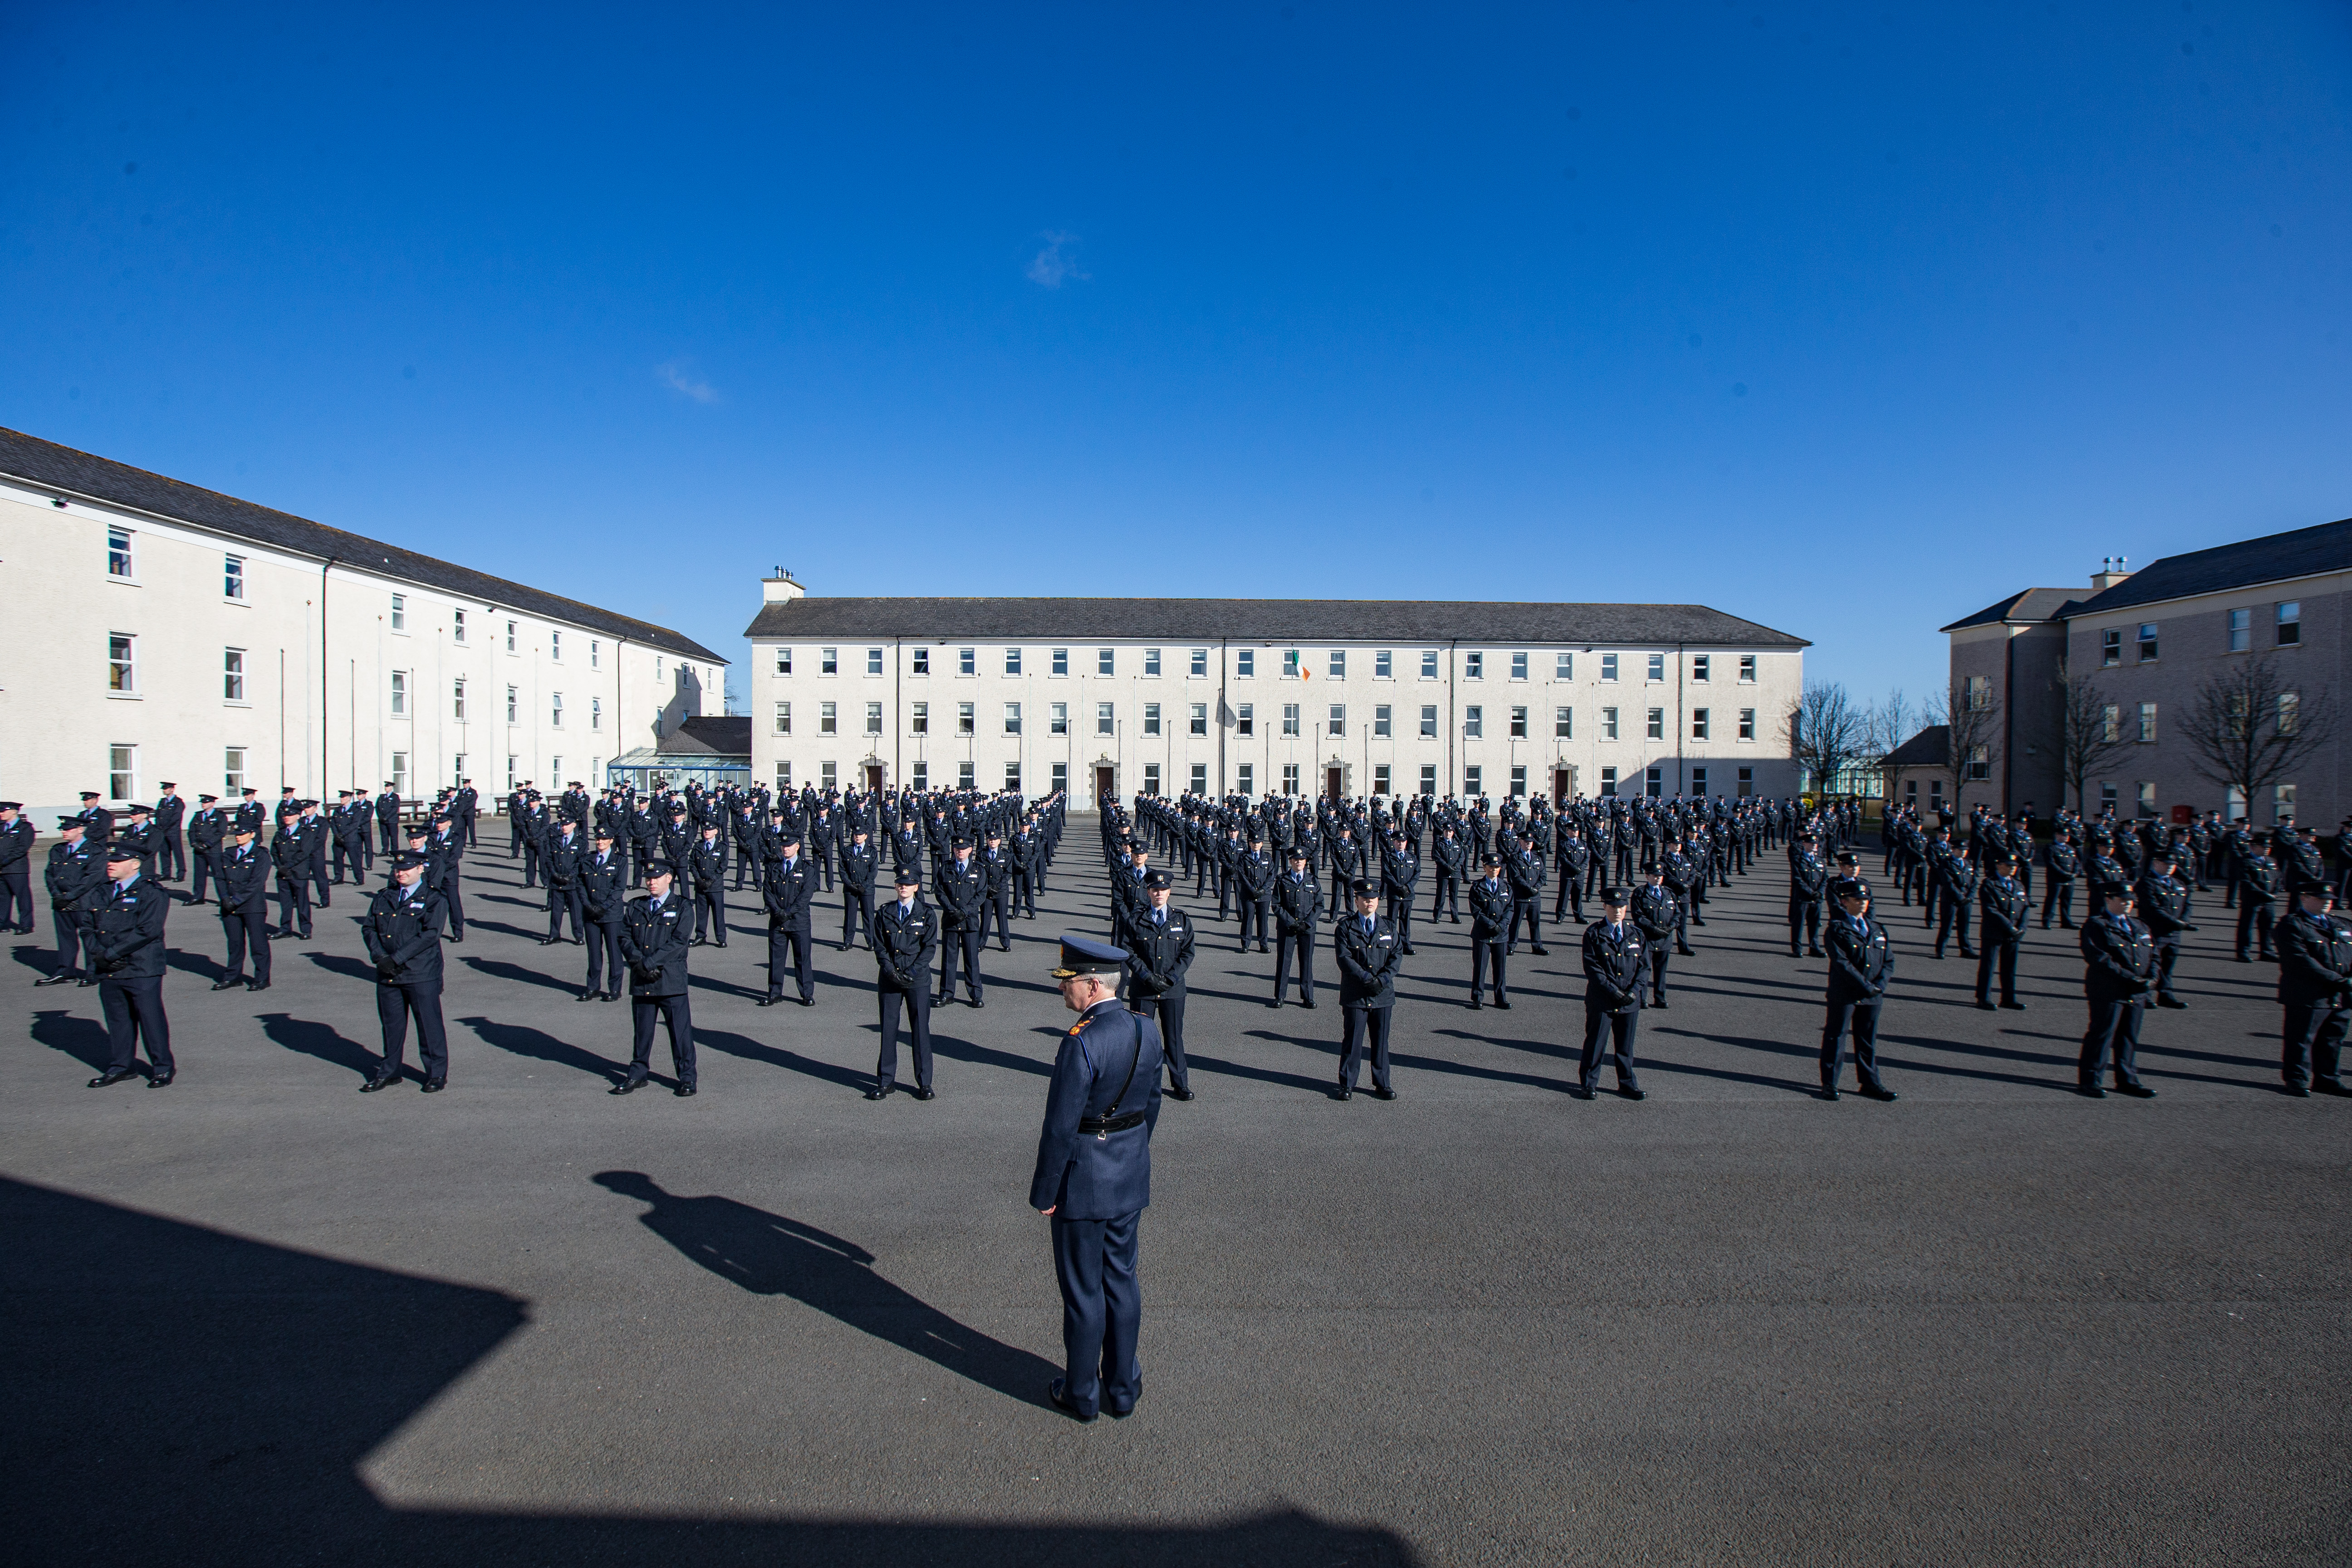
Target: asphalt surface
(260, 1318)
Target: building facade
(167, 632)
(2149, 642)
(1106, 698)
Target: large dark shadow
(340, 964)
(312, 1039)
(522, 1040)
(752, 1050)
(84, 1040)
(770, 1255)
(237, 1380)
(499, 968)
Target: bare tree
(1824, 732)
(2250, 728)
(2091, 729)
(1971, 718)
(1885, 725)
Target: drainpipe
(323, 570)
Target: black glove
(385, 968)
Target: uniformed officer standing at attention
(859, 869)
(1809, 879)
(1369, 955)
(904, 932)
(654, 939)
(2118, 978)
(603, 897)
(787, 888)
(16, 837)
(245, 909)
(707, 866)
(1094, 1180)
(126, 952)
(2314, 958)
(75, 873)
(1862, 962)
(1254, 877)
(560, 856)
(1490, 924)
(1297, 899)
(2163, 905)
(2005, 907)
(207, 832)
(171, 849)
(1615, 973)
(402, 930)
(1162, 947)
(1658, 915)
(962, 889)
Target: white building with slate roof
(159, 631)
(1110, 697)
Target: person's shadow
(768, 1255)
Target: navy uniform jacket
(859, 866)
(1808, 880)
(655, 943)
(1400, 872)
(903, 947)
(1615, 971)
(1159, 956)
(207, 830)
(2258, 880)
(709, 863)
(16, 845)
(403, 935)
(244, 879)
(1087, 1176)
(1490, 909)
(1369, 962)
(1861, 960)
(2005, 907)
(2315, 960)
(1256, 874)
(293, 851)
(1525, 869)
(560, 858)
(2063, 860)
(962, 891)
(2164, 905)
(1295, 904)
(126, 942)
(787, 894)
(171, 812)
(601, 887)
(1656, 910)
(74, 874)
(2118, 958)
(1449, 854)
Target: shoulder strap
(1128, 1082)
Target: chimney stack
(2112, 571)
(775, 590)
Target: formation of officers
(637, 880)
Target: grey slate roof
(2273, 558)
(1931, 748)
(45, 465)
(1283, 621)
(2032, 604)
(718, 734)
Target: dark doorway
(1335, 783)
(874, 778)
(1563, 782)
(1106, 784)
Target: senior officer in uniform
(902, 935)
(1369, 955)
(126, 952)
(1092, 1180)
(1615, 976)
(402, 930)
(654, 939)
(1162, 942)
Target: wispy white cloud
(679, 377)
(1053, 265)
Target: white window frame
(398, 707)
(233, 578)
(233, 677)
(122, 554)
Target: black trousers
(1227, 886)
(998, 908)
(918, 1004)
(710, 913)
(1252, 913)
(1102, 1311)
(206, 870)
(562, 902)
(1951, 911)
(1169, 1010)
(2167, 953)
(16, 900)
(1805, 917)
(746, 865)
(529, 863)
(1301, 942)
(454, 903)
(387, 836)
(294, 898)
(604, 943)
(1659, 953)
(172, 856)
(2254, 919)
(2312, 1043)
(2114, 1033)
(2001, 955)
(247, 928)
(1570, 898)
(1604, 1029)
(1448, 897)
(347, 854)
(394, 1005)
(1527, 907)
(1484, 954)
(676, 1013)
(1024, 892)
(963, 941)
(134, 1014)
(856, 916)
(1401, 912)
(1360, 1025)
(790, 946)
(2058, 895)
(1858, 1021)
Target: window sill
(236, 603)
(124, 581)
(125, 696)
(233, 702)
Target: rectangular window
(118, 559)
(1383, 665)
(554, 769)
(1608, 723)
(1698, 666)
(1429, 664)
(1653, 783)
(2147, 641)
(1518, 723)
(1058, 717)
(1698, 724)
(233, 675)
(1200, 718)
(1380, 778)
(2146, 798)
(1061, 665)
(1428, 778)
(919, 661)
(2111, 647)
(1200, 778)
(1200, 661)
(1980, 763)
(828, 662)
(1106, 661)
(1339, 668)
(966, 661)
(2111, 722)
(827, 720)
(1106, 721)
(828, 774)
(1564, 723)
(457, 627)
(1151, 778)
(515, 717)
(555, 649)
(873, 718)
(595, 658)
(784, 778)
(1151, 662)
(457, 700)
(1245, 662)
(2290, 712)
(1519, 783)
(1657, 670)
(555, 710)
(919, 717)
(1608, 784)
(2290, 626)
(1474, 781)
(1656, 728)
(399, 693)
(1747, 723)
(2242, 630)
(1339, 719)
(1473, 667)
(1380, 726)
(1520, 672)
(595, 712)
(2282, 800)
(2147, 724)
(1608, 670)
(923, 777)
(1012, 718)
(963, 718)
(1290, 663)
(784, 661)
(232, 770)
(1012, 661)
(873, 661)
(1747, 669)
(1474, 721)
(123, 773)
(1152, 718)
(1246, 718)
(1976, 691)
(963, 776)
(1429, 720)
(1291, 778)
(1290, 720)
(1746, 785)
(400, 612)
(510, 637)
(1698, 780)
(400, 772)
(1061, 777)
(233, 580)
(1013, 777)
(1563, 667)
(1245, 780)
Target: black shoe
(1476, 1004)
(1828, 1093)
(879, 1092)
(162, 1079)
(2296, 1090)
(1408, 949)
(1878, 1092)
(111, 1076)
(1657, 1002)
(978, 1003)
(926, 1094)
(1308, 1005)
(1542, 951)
(942, 1001)
(630, 1085)
(1578, 1091)
(613, 996)
(65, 979)
(378, 1080)
(548, 941)
(2171, 1002)
(1344, 1092)
(2090, 1091)
(256, 985)
(226, 985)
(1816, 953)
(1503, 1006)
(1378, 1093)
(2014, 1005)
(696, 942)
(1055, 1397)
(1179, 1094)
(2137, 1090)
(1630, 1093)
(435, 1085)
(590, 994)
(1265, 950)
(2243, 959)
(1684, 953)
(1983, 1005)
(2332, 1086)
(2065, 925)
(684, 1092)
(767, 1001)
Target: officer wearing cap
(1093, 1179)
(207, 831)
(655, 942)
(2004, 907)
(1862, 962)
(1809, 880)
(16, 836)
(2315, 958)
(2118, 977)
(1399, 874)
(962, 889)
(1369, 956)
(1297, 901)
(446, 846)
(2162, 902)
(126, 952)
(787, 888)
(1160, 950)
(245, 909)
(1490, 925)
(1657, 914)
(74, 877)
(1615, 975)
(402, 930)
(902, 934)
(603, 897)
(289, 858)
(171, 819)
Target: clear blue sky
(1845, 318)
